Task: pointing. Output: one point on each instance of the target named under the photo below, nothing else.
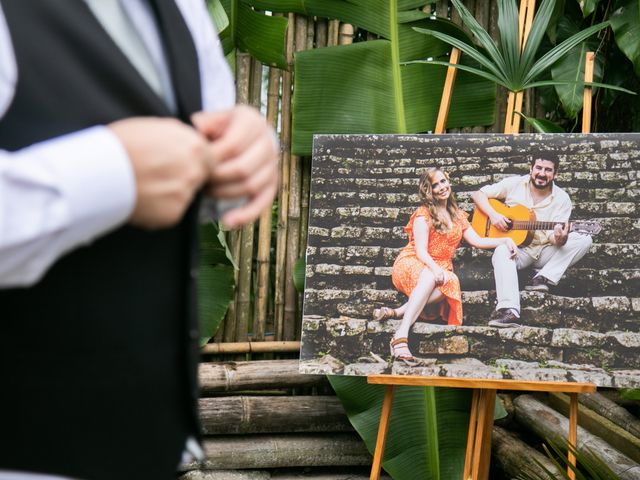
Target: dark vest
(98, 359)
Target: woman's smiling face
(440, 186)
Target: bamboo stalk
(345, 36)
(293, 231)
(442, 9)
(249, 347)
(586, 98)
(234, 238)
(283, 195)
(264, 230)
(333, 33)
(322, 26)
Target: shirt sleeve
(501, 189)
(58, 195)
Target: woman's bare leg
(425, 292)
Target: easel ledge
(492, 384)
(478, 453)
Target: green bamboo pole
(283, 194)
(501, 92)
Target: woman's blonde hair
(426, 197)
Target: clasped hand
(232, 154)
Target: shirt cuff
(95, 175)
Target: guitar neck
(535, 225)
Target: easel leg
(471, 437)
(573, 432)
(484, 428)
(382, 433)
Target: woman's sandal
(399, 344)
(384, 313)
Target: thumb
(210, 124)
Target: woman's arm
(475, 240)
(421, 238)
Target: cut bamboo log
(604, 428)
(612, 411)
(346, 34)
(279, 451)
(238, 376)
(549, 424)
(272, 414)
(586, 98)
(515, 457)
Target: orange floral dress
(441, 247)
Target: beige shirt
(555, 207)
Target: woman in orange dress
(424, 270)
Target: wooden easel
(478, 452)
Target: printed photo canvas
(548, 290)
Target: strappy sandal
(398, 344)
(384, 313)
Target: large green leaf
(366, 88)
(216, 280)
(427, 430)
(625, 23)
(263, 36)
(570, 69)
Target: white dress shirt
(51, 199)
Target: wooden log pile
(263, 420)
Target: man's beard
(541, 187)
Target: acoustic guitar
(523, 223)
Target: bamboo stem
(293, 231)
(249, 347)
(283, 194)
(345, 36)
(234, 238)
(586, 98)
(264, 230)
(333, 33)
(321, 33)
(525, 19)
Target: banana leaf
(427, 429)
(570, 69)
(367, 88)
(216, 280)
(625, 23)
(263, 36)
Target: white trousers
(552, 263)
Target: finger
(251, 210)
(245, 128)
(247, 188)
(245, 164)
(211, 124)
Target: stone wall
(364, 189)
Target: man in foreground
(550, 252)
(114, 114)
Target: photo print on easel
(581, 327)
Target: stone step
(609, 358)
(343, 282)
(329, 231)
(600, 256)
(599, 314)
(345, 473)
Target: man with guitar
(548, 246)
